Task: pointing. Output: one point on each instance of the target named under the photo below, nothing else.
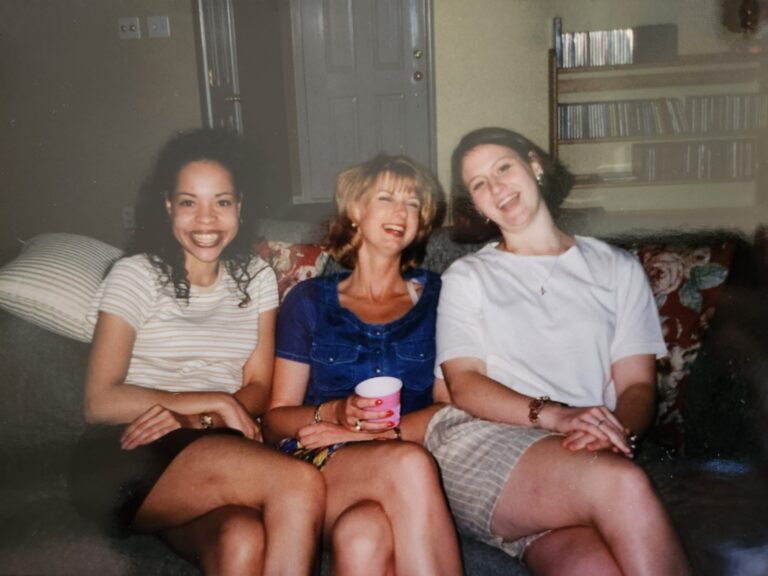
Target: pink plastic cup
(384, 388)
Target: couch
(706, 454)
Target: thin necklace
(551, 271)
(542, 284)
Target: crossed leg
(361, 539)
(554, 488)
(389, 488)
(223, 490)
(226, 540)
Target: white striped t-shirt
(200, 345)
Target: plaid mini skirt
(476, 458)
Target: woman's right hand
(596, 421)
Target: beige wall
(491, 69)
(83, 113)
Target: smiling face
(387, 215)
(503, 185)
(204, 211)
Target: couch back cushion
(687, 281)
(292, 262)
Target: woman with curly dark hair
(180, 367)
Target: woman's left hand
(580, 440)
(325, 433)
(596, 421)
(153, 424)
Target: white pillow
(52, 281)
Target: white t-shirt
(180, 346)
(597, 308)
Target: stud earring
(538, 179)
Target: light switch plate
(158, 26)
(128, 28)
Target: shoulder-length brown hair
(355, 183)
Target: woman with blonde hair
(385, 510)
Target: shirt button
(378, 332)
(378, 370)
(330, 359)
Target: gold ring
(358, 426)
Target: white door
(363, 75)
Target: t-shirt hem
(660, 351)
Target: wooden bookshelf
(697, 75)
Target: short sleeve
(128, 291)
(295, 323)
(459, 316)
(265, 293)
(638, 328)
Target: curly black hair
(556, 181)
(153, 234)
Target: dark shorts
(108, 485)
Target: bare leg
(221, 471)
(552, 487)
(571, 552)
(226, 541)
(402, 478)
(362, 541)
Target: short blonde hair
(355, 183)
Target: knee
(628, 483)
(362, 536)
(413, 467)
(240, 542)
(304, 488)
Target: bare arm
(287, 417)
(151, 413)
(286, 414)
(109, 400)
(258, 370)
(634, 378)
(473, 391)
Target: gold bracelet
(317, 418)
(535, 407)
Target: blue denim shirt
(342, 350)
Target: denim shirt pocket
(334, 368)
(416, 361)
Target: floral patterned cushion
(292, 262)
(686, 282)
